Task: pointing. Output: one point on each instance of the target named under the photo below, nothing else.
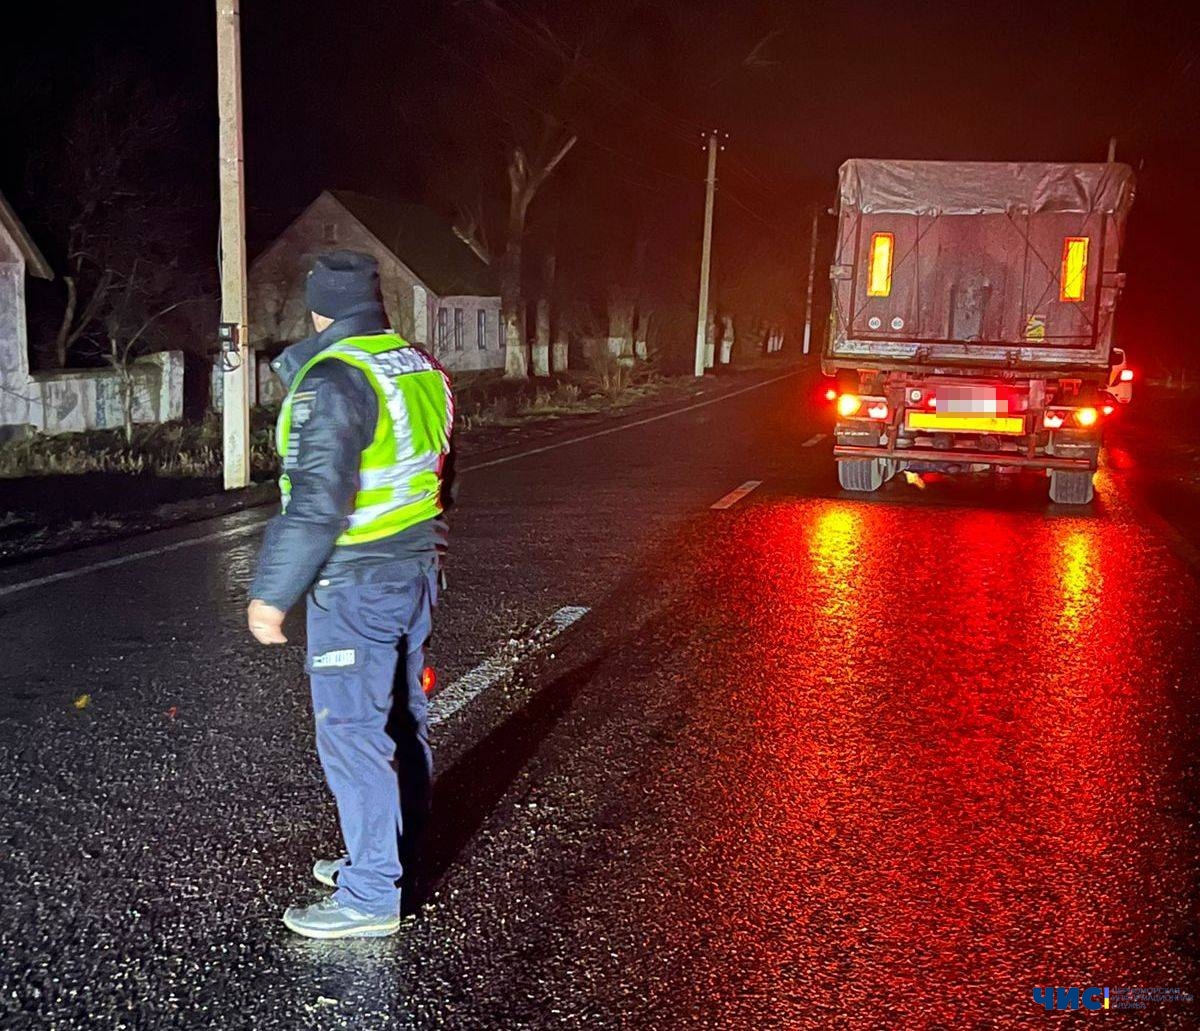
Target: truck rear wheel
(1068, 487)
(865, 474)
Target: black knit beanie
(342, 283)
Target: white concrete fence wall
(73, 400)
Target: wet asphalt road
(816, 760)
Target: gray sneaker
(326, 870)
(330, 919)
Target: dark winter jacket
(333, 419)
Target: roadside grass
(490, 400)
(193, 450)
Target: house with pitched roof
(438, 293)
(19, 257)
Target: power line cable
(524, 35)
(780, 235)
(677, 126)
(639, 163)
(598, 72)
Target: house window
(460, 328)
(330, 232)
(443, 330)
(481, 331)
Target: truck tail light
(879, 265)
(848, 405)
(1053, 420)
(831, 394)
(1127, 375)
(1086, 416)
(1106, 409)
(852, 406)
(1074, 268)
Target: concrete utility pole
(706, 254)
(234, 315)
(812, 265)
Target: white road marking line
(628, 425)
(121, 560)
(816, 438)
(134, 556)
(491, 671)
(734, 496)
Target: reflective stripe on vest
(400, 472)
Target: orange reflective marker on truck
(879, 274)
(1073, 278)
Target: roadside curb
(193, 510)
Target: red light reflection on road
(951, 787)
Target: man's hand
(266, 622)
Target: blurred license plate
(963, 422)
(969, 400)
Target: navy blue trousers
(366, 654)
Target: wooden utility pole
(706, 253)
(235, 354)
(812, 265)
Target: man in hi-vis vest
(363, 433)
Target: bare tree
(100, 189)
(125, 341)
(470, 227)
(525, 177)
(541, 344)
(135, 304)
(613, 76)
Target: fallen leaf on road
(82, 701)
(172, 712)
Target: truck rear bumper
(961, 456)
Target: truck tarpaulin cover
(984, 188)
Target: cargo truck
(972, 320)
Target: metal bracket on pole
(228, 337)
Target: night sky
(412, 100)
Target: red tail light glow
(1086, 416)
(1106, 409)
(831, 394)
(428, 679)
(1127, 375)
(1053, 420)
